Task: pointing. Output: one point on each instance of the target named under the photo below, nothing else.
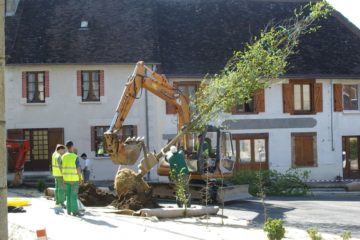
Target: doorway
(351, 154)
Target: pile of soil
(133, 192)
(91, 196)
(135, 201)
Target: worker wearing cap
(71, 171)
(57, 173)
(179, 171)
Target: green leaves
(262, 60)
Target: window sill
(89, 102)
(351, 112)
(302, 167)
(244, 113)
(34, 104)
(303, 113)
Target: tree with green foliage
(261, 62)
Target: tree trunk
(3, 169)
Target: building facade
(67, 66)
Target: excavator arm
(127, 152)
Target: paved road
(330, 214)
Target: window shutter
(304, 151)
(92, 137)
(47, 88)
(260, 100)
(170, 109)
(288, 98)
(55, 136)
(78, 83)
(23, 85)
(102, 86)
(15, 134)
(338, 97)
(135, 130)
(318, 97)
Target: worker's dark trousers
(72, 189)
(86, 174)
(59, 190)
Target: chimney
(11, 6)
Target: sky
(349, 8)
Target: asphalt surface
(329, 214)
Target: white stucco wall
(64, 109)
(329, 145)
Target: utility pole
(3, 163)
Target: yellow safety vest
(56, 172)
(69, 170)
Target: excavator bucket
(128, 153)
(124, 153)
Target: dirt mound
(133, 192)
(91, 196)
(127, 181)
(135, 202)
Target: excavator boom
(128, 151)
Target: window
(244, 108)
(350, 97)
(39, 144)
(302, 97)
(188, 89)
(90, 85)
(97, 134)
(255, 105)
(304, 153)
(251, 150)
(35, 87)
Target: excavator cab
(207, 154)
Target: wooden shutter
(47, 87)
(304, 151)
(55, 136)
(338, 97)
(78, 83)
(92, 137)
(259, 99)
(23, 84)
(135, 130)
(288, 98)
(318, 97)
(102, 86)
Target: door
(351, 163)
(251, 151)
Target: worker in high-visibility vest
(71, 171)
(56, 166)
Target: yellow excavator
(217, 163)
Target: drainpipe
(147, 126)
(3, 163)
(332, 115)
(147, 121)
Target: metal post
(3, 172)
